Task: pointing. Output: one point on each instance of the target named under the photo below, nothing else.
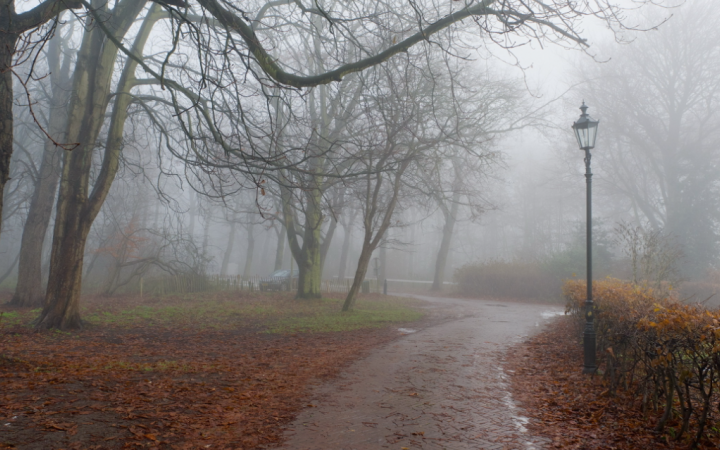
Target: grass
(368, 314)
(17, 318)
(271, 313)
(205, 310)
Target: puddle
(406, 330)
(518, 420)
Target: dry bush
(503, 279)
(666, 352)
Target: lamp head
(585, 129)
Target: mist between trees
(142, 140)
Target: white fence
(182, 284)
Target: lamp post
(586, 132)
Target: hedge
(667, 353)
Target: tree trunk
(29, 289)
(382, 273)
(345, 249)
(7, 49)
(76, 210)
(326, 241)
(442, 256)
(310, 263)
(206, 234)
(193, 209)
(411, 255)
(250, 251)
(280, 249)
(229, 247)
(7, 273)
(62, 305)
(363, 264)
(374, 209)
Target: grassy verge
(367, 314)
(267, 312)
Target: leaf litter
(182, 384)
(576, 410)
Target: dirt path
(439, 388)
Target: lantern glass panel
(586, 133)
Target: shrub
(503, 279)
(667, 352)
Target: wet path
(439, 388)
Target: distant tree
(408, 118)
(654, 257)
(659, 144)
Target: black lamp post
(586, 131)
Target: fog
(199, 157)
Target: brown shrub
(666, 352)
(503, 279)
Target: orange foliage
(666, 351)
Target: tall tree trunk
(326, 241)
(7, 49)
(29, 289)
(442, 256)
(363, 264)
(192, 211)
(9, 270)
(372, 210)
(229, 246)
(250, 250)
(345, 248)
(411, 255)
(310, 262)
(280, 249)
(77, 206)
(206, 235)
(62, 306)
(382, 273)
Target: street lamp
(586, 132)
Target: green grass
(199, 312)
(15, 318)
(368, 314)
(271, 314)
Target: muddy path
(442, 387)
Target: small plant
(654, 256)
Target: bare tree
(657, 99)
(654, 256)
(395, 135)
(77, 205)
(29, 289)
